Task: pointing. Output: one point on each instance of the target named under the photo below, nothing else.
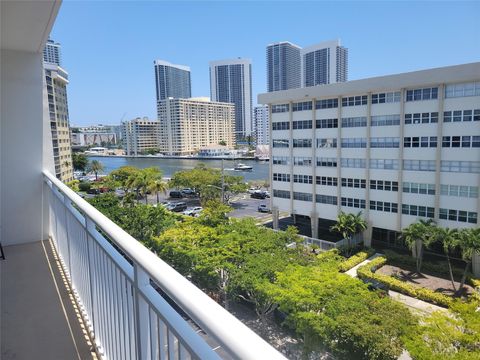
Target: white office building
(172, 80)
(283, 66)
(188, 125)
(398, 148)
(140, 135)
(261, 120)
(231, 82)
(324, 63)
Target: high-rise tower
(283, 66)
(172, 80)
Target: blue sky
(108, 48)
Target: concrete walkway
(412, 303)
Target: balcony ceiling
(25, 25)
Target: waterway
(170, 166)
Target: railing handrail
(235, 337)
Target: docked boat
(243, 167)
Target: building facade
(51, 53)
(187, 125)
(140, 135)
(283, 66)
(397, 148)
(56, 82)
(172, 80)
(261, 120)
(231, 82)
(324, 63)
(104, 135)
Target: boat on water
(243, 167)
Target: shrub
(356, 259)
(84, 186)
(367, 272)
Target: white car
(195, 211)
(252, 190)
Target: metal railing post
(141, 281)
(90, 225)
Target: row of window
(422, 141)
(385, 185)
(302, 161)
(351, 202)
(302, 179)
(300, 106)
(417, 210)
(354, 183)
(327, 180)
(459, 190)
(327, 143)
(281, 177)
(418, 188)
(422, 94)
(359, 121)
(280, 108)
(326, 199)
(459, 115)
(283, 194)
(302, 143)
(384, 206)
(355, 100)
(327, 123)
(458, 215)
(421, 118)
(389, 97)
(280, 143)
(280, 125)
(385, 120)
(302, 196)
(463, 141)
(302, 124)
(461, 90)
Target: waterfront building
(261, 120)
(231, 82)
(95, 135)
(51, 53)
(216, 151)
(283, 66)
(398, 148)
(324, 63)
(140, 135)
(186, 125)
(56, 80)
(172, 80)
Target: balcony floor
(37, 317)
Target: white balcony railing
(115, 281)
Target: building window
(301, 106)
(354, 183)
(421, 118)
(327, 162)
(419, 165)
(280, 160)
(327, 180)
(283, 194)
(303, 179)
(460, 166)
(302, 196)
(355, 203)
(327, 143)
(326, 199)
(383, 206)
(385, 120)
(302, 143)
(389, 97)
(281, 177)
(327, 123)
(326, 104)
(416, 210)
(422, 141)
(459, 190)
(280, 108)
(418, 188)
(355, 100)
(385, 164)
(422, 94)
(360, 121)
(302, 124)
(281, 143)
(461, 90)
(353, 163)
(458, 215)
(302, 161)
(354, 143)
(281, 125)
(384, 185)
(384, 142)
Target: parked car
(188, 192)
(252, 190)
(175, 194)
(263, 208)
(267, 194)
(93, 191)
(258, 195)
(177, 207)
(193, 211)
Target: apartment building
(172, 80)
(231, 82)
(261, 120)
(56, 83)
(283, 66)
(140, 135)
(186, 125)
(52, 52)
(397, 148)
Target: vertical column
(367, 234)
(290, 149)
(400, 160)
(438, 152)
(270, 166)
(339, 155)
(142, 320)
(314, 214)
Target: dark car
(177, 207)
(176, 194)
(93, 191)
(258, 195)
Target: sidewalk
(411, 302)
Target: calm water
(170, 166)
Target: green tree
(79, 161)
(158, 186)
(222, 142)
(448, 239)
(122, 174)
(469, 244)
(95, 166)
(348, 225)
(417, 236)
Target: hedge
(356, 259)
(367, 272)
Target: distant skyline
(108, 48)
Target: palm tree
(95, 166)
(158, 186)
(417, 236)
(449, 239)
(349, 225)
(469, 243)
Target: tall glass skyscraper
(231, 82)
(172, 80)
(283, 66)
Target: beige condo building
(186, 125)
(140, 135)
